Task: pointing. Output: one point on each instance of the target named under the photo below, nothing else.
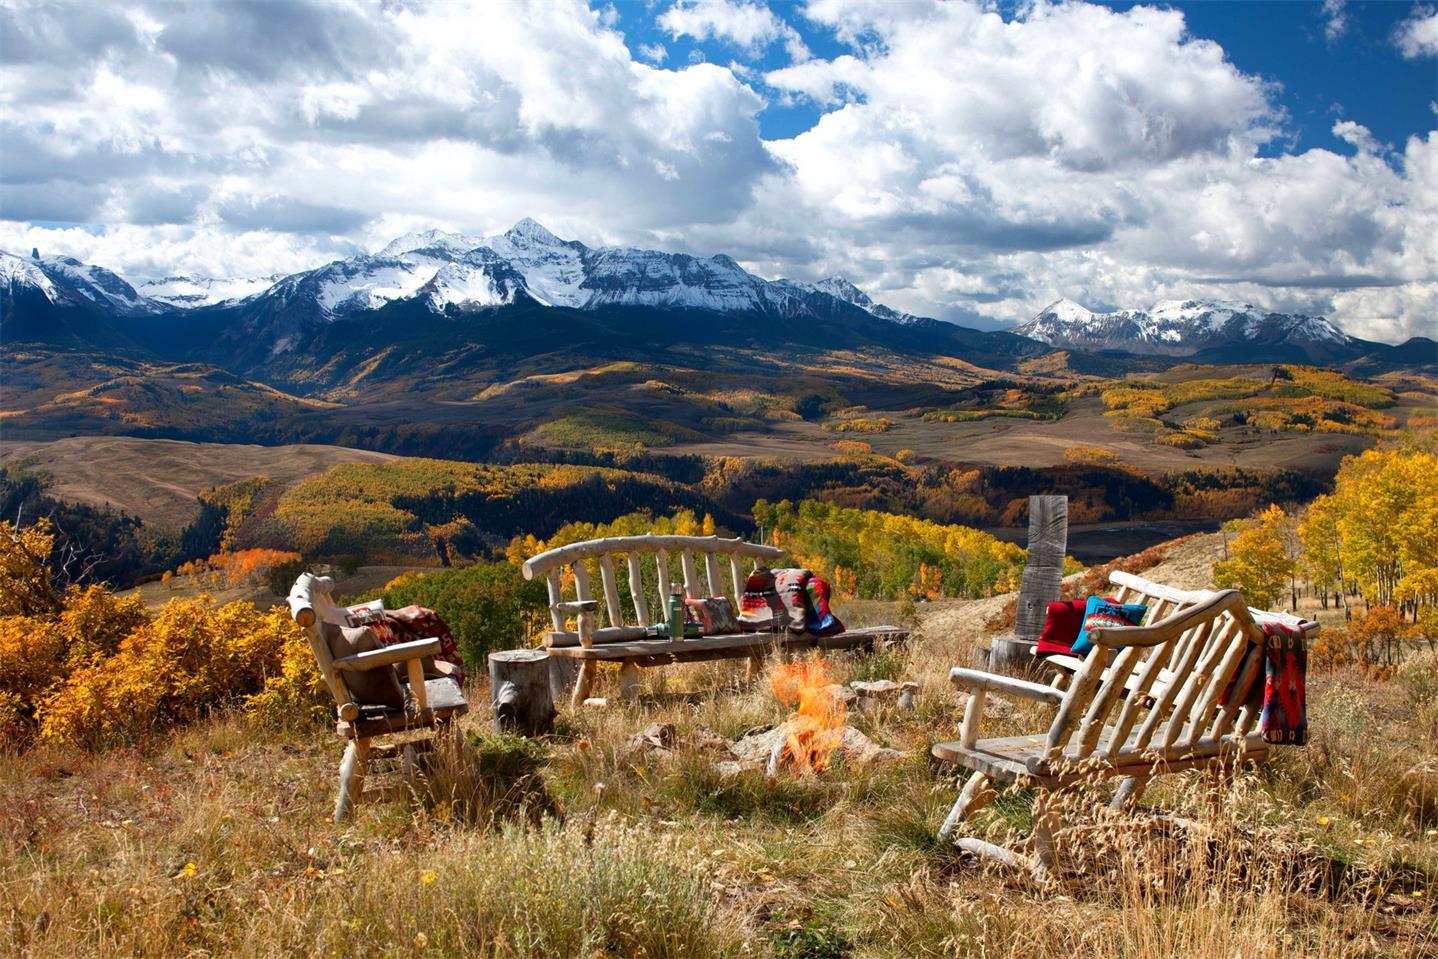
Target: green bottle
(674, 629)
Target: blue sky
(1358, 75)
(960, 159)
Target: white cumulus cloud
(749, 25)
(967, 164)
(1418, 35)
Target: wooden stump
(1013, 656)
(519, 690)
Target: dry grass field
(215, 840)
(157, 480)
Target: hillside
(217, 836)
(159, 480)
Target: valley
(424, 404)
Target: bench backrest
(705, 566)
(1172, 686)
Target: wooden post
(519, 685)
(1043, 576)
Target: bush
(190, 661)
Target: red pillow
(1062, 623)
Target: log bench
(703, 565)
(1145, 700)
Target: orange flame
(816, 727)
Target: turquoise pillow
(1100, 613)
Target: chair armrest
(389, 655)
(992, 682)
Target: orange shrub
(192, 659)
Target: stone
(885, 690)
(661, 736)
(754, 748)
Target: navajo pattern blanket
(416, 622)
(1285, 710)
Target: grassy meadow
(215, 839)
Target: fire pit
(806, 742)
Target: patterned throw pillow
(1102, 613)
(795, 598)
(370, 687)
(714, 615)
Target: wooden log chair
(706, 566)
(430, 710)
(1146, 700)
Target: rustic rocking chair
(431, 707)
(1117, 718)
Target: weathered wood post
(1043, 577)
(519, 692)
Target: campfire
(816, 727)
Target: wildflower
(421, 940)
(187, 872)
(427, 877)
(1322, 820)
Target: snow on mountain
(22, 272)
(479, 279)
(438, 241)
(65, 281)
(450, 272)
(188, 292)
(842, 289)
(1182, 327)
(554, 270)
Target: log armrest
(409, 653)
(389, 655)
(976, 679)
(979, 683)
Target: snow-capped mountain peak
(1184, 327)
(65, 281)
(188, 292)
(1067, 311)
(531, 231)
(841, 289)
(439, 241)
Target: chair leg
(629, 681)
(352, 772)
(408, 764)
(1128, 793)
(975, 795)
(584, 684)
(1046, 817)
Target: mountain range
(1188, 328)
(449, 288)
